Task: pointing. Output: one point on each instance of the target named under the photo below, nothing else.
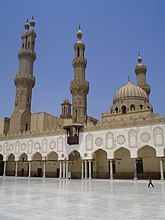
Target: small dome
(130, 90)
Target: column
(85, 169)
(161, 169)
(90, 169)
(30, 163)
(111, 169)
(63, 169)
(4, 169)
(16, 168)
(66, 169)
(60, 169)
(43, 169)
(135, 170)
(82, 169)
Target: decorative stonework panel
(158, 137)
(5, 148)
(52, 145)
(23, 147)
(99, 141)
(120, 139)
(89, 142)
(44, 145)
(0, 148)
(11, 147)
(29, 146)
(85, 155)
(37, 146)
(145, 137)
(60, 144)
(17, 147)
(132, 138)
(109, 141)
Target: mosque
(128, 142)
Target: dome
(130, 90)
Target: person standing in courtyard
(150, 182)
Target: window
(78, 52)
(26, 127)
(132, 108)
(116, 110)
(123, 109)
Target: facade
(129, 141)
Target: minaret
(79, 87)
(24, 81)
(66, 109)
(140, 71)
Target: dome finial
(32, 23)
(79, 35)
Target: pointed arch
(10, 165)
(44, 145)
(158, 137)
(89, 142)
(37, 156)
(60, 144)
(109, 140)
(17, 147)
(132, 138)
(52, 156)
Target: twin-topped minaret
(24, 81)
(79, 87)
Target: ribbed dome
(129, 90)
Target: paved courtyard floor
(46, 199)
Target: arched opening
(100, 164)
(123, 109)
(52, 165)
(37, 165)
(132, 108)
(1, 165)
(10, 165)
(150, 162)
(124, 165)
(141, 106)
(74, 167)
(116, 110)
(23, 165)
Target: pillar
(30, 163)
(135, 170)
(85, 169)
(60, 169)
(82, 169)
(90, 169)
(4, 169)
(66, 169)
(44, 169)
(63, 169)
(161, 169)
(16, 168)
(111, 169)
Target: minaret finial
(79, 35)
(128, 77)
(32, 23)
(26, 25)
(139, 59)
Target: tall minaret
(79, 87)
(24, 81)
(140, 71)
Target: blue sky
(113, 32)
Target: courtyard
(45, 199)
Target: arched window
(78, 52)
(116, 110)
(123, 109)
(141, 106)
(132, 108)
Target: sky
(114, 31)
